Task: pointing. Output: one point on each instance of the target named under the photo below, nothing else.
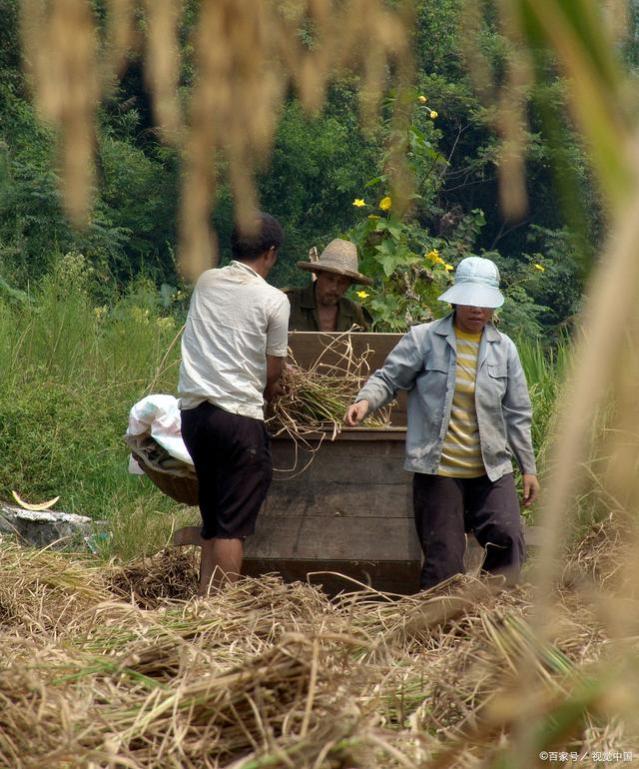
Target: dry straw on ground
(113, 667)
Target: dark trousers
(232, 459)
(446, 508)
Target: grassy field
(69, 372)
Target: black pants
(232, 459)
(446, 508)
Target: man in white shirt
(233, 349)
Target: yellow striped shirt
(461, 453)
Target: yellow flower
(422, 99)
(362, 294)
(386, 203)
(539, 267)
(433, 114)
(434, 257)
(359, 202)
(449, 267)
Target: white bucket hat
(476, 284)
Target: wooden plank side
(347, 434)
(391, 501)
(343, 462)
(307, 346)
(395, 576)
(343, 479)
(345, 539)
(390, 576)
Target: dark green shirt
(304, 312)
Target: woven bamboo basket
(181, 488)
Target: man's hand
(274, 391)
(274, 368)
(356, 412)
(531, 489)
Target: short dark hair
(248, 247)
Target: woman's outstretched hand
(355, 413)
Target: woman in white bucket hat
(476, 284)
(469, 415)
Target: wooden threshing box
(350, 511)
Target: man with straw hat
(469, 414)
(322, 306)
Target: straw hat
(476, 284)
(339, 257)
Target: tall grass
(545, 368)
(69, 373)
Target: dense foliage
(320, 165)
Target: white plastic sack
(159, 417)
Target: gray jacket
(424, 363)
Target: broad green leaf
(389, 263)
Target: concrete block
(44, 528)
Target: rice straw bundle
(315, 400)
